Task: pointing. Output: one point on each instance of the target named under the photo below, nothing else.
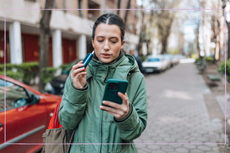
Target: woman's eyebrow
(99, 36)
(113, 38)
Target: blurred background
(179, 45)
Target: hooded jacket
(96, 130)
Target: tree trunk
(141, 33)
(126, 13)
(44, 41)
(118, 7)
(228, 51)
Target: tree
(127, 11)
(118, 7)
(228, 25)
(142, 34)
(163, 19)
(44, 40)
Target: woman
(99, 128)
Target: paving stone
(159, 151)
(175, 145)
(188, 146)
(169, 140)
(154, 147)
(167, 148)
(172, 116)
(182, 150)
(205, 148)
(215, 149)
(147, 150)
(182, 141)
(196, 151)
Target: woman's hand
(78, 75)
(117, 110)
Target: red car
(28, 113)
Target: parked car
(175, 59)
(56, 85)
(26, 118)
(154, 63)
(168, 58)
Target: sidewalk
(179, 120)
(215, 102)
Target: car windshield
(153, 59)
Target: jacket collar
(118, 70)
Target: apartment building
(71, 29)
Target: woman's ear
(92, 42)
(123, 42)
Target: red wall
(69, 50)
(31, 48)
(2, 42)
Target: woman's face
(107, 42)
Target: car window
(16, 96)
(153, 59)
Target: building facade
(71, 29)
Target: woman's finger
(112, 104)
(79, 64)
(124, 97)
(78, 71)
(113, 111)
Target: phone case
(111, 94)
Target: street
(177, 114)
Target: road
(178, 119)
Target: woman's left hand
(117, 110)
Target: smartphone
(113, 86)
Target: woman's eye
(114, 42)
(100, 40)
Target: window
(153, 59)
(16, 96)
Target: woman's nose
(106, 46)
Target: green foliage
(63, 66)
(14, 75)
(209, 58)
(193, 55)
(27, 70)
(9, 66)
(221, 68)
(48, 74)
(173, 51)
(143, 57)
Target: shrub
(14, 75)
(221, 68)
(29, 69)
(63, 66)
(209, 59)
(48, 74)
(9, 66)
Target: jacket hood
(119, 70)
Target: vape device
(87, 59)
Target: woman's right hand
(78, 75)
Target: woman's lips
(105, 55)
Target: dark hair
(110, 18)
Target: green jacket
(96, 130)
